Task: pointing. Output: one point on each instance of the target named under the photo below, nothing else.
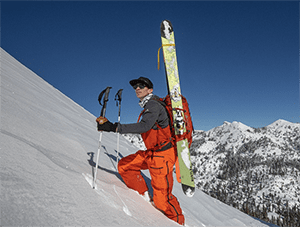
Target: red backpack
(187, 120)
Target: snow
(185, 154)
(167, 29)
(206, 147)
(48, 149)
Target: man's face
(142, 92)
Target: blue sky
(238, 61)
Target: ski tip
(167, 21)
(166, 28)
(188, 190)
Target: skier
(159, 157)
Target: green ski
(171, 69)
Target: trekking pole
(118, 97)
(105, 92)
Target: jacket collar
(143, 102)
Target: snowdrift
(48, 147)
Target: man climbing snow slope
(160, 156)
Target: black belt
(166, 147)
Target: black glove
(105, 125)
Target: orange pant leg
(161, 167)
(130, 168)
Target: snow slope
(47, 156)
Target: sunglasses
(141, 86)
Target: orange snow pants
(160, 165)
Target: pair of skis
(118, 98)
(172, 76)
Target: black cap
(142, 80)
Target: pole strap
(163, 45)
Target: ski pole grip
(105, 92)
(118, 96)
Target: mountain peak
(284, 126)
(280, 122)
(227, 126)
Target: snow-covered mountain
(48, 146)
(254, 167)
(136, 140)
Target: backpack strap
(140, 115)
